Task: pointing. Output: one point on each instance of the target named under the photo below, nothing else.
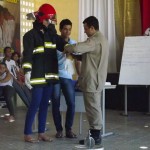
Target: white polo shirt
(11, 65)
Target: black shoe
(96, 135)
(97, 142)
(81, 142)
(59, 134)
(70, 134)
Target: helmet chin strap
(49, 28)
(47, 22)
(51, 21)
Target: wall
(65, 9)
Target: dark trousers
(67, 87)
(39, 102)
(23, 92)
(8, 93)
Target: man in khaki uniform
(93, 73)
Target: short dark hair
(92, 21)
(6, 49)
(15, 53)
(64, 22)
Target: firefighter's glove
(27, 79)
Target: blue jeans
(67, 88)
(40, 100)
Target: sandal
(9, 118)
(70, 134)
(59, 134)
(45, 138)
(28, 138)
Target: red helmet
(46, 11)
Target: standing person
(66, 85)
(7, 90)
(93, 73)
(40, 59)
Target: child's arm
(7, 78)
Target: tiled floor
(129, 132)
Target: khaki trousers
(92, 102)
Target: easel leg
(80, 124)
(148, 113)
(104, 134)
(103, 112)
(125, 102)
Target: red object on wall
(145, 14)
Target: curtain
(127, 23)
(145, 14)
(104, 11)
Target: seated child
(7, 91)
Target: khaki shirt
(95, 52)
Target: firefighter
(40, 65)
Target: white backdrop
(104, 11)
